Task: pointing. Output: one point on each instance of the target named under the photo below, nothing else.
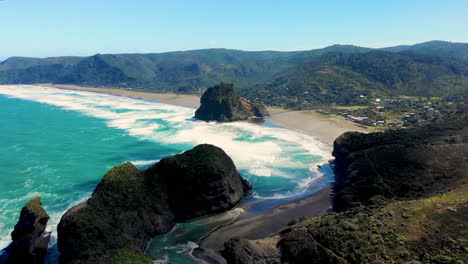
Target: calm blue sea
(57, 144)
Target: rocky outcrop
(243, 251)
(402, 164)
(402, 196)
(129, 206)
(222, 103)
(397, 232)
(200, 182)
(30, 241)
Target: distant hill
(455, 51)
(352, 78)
(184, 71)
(335, 74)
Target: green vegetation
(402, 197)
(359, 78)
(455, 51)
(35, 207)
(401, 111)
(431, 230)
(353, 107)
(127, 256)
(335, 75)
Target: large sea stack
(222, 103)
(130, 206)
(30, 241)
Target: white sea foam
(259, 150)
(151, 120)
(5, 239)
(143, 162)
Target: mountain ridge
(418, 70)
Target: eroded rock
(222, 103)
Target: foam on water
(280, 163)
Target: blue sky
(42, 28)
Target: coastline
(277, 218)
(325, 128)
(318, 203)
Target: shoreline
(263, 226)
(277, 218)
(325, 128)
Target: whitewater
(58, 143)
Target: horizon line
(298, 49)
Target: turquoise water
(57, 144)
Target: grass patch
(352, 107)
(429, 230)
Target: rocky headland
(401, 197)
(222, 103)
(130, 206)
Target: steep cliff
(401, 164)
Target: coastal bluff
(400, 197)
(399, 164)
(222, 103)
(130, 206)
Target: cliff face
(222, 103)
(403, 164)
(402, 197)
(428, 230)
(129, 206)
(30, 241)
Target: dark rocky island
(401, 197)
(130, 206)
(222, 103)
(30, 241)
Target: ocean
(58, 143)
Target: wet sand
(261, 226)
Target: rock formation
(242, 251)
(129, 206)
(222, 103)
(206, 182)
(30, 241)
(402, 197)
(401, 164)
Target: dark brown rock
(30, 241)
(201, 181)
(222, 103)
(402, 164)
(129, 206)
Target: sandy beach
(327, 129)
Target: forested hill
(353, 78)
(335, 74)
(184, 71)
(455, 51)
